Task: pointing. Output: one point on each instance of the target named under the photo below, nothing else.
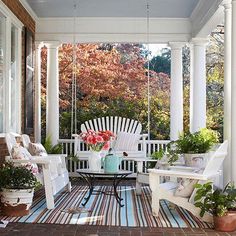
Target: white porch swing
(128, 131)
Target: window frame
(11, 19)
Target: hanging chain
(74, 85)
(148, 71)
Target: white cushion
(185, 188)
(127, 142)
(37, 149)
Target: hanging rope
(148, 72)
(74, 84)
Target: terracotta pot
(16, 202)
(225, 223)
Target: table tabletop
(87, 171)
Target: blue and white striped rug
(104, 210)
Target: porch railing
(127, 164)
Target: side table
(90, 178)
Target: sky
(156, 48)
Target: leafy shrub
(198, 142)
(56, 149)
(217, 202)
(16, 177)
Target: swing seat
(128, 136)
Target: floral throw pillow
(21, 153)
(37, 149)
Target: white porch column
(191, 90)
(233, 94)
(37, 119)
(198, 85)
(227, 86)
(52, 112)
(176, 90)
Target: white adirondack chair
(115, 124)
(55, 176)
(166, 190)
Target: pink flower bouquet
(97, 141)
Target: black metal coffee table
(90, 178)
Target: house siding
(20, 12)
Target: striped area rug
(104, 210)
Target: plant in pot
(220, 203)
(194, 146)
(17, 185)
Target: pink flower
(89, 139)
(106, 146)
(99, 139)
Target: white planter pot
(198, 160)
(16, 202)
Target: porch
(189, 27)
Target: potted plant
(220, 203)
(17, 188)
(194, 146)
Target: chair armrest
(37, 160)
(179, 174)
(184, 169)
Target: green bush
(16, 177)
(217, 202)
(198, 142)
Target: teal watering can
(111, 163)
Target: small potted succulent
(17, 185)
(220, 203)
(195, 146)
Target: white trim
(8, 13)
(204, 12)
(4, 75)
(19, 82)
(113, 29)
(27, 7)
(11, 19)
(7, 110)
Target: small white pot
(16, 202)
(198, 160)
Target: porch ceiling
(124, 20)
(114, 8)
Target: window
(10, 71)
(2, 55)
(14, 78)
(29, 84)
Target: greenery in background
(126, 60)
(16, 177)
(217, 202)
(198, 142)
(52, 149)
(158, 155)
